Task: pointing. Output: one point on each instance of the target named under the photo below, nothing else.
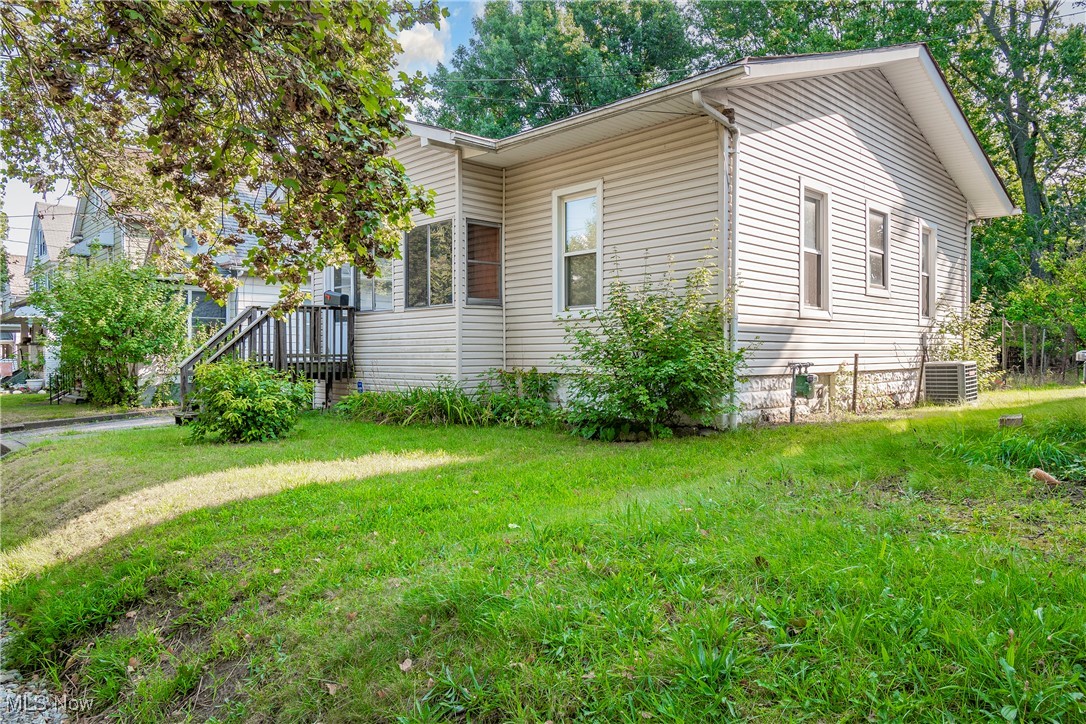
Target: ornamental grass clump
(655, 356)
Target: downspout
(729, 211)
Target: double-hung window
(428, 260)
(928, 251)
(484, 263)
(814, 270)
(374, 294)
(878, 250)
(578, 247)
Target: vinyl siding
(660, 203)
(850, 134)
(410, 347)
(481, 326)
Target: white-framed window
(484, 261)
(206, 312)
(929, 254)
(428, 253)
(815, 225)
(375, 294)
(878, 250)
(340, 280)
(578, 247)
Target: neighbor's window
(878, 249)
(375, 294)
(578, 248)
(206, 312)
(428, 259)
(484, 263)
(815, 262)
(928, 246)
(339, 280)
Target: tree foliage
(535, 62)
(108, 320)
(171, 106)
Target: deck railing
(314, 342)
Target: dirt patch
(170, 500)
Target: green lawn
(862, 570)
(17, 408)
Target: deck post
(280, 354)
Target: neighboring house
(49, 234)
(12, 295)
(96, 235)
(858, 181)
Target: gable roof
(54, 222)
(910, 69)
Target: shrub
(967, 337)
(652, 357)
(505, 397)
(240, 401)
(520, 398)
(109, 320)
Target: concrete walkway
(13, 441)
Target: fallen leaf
(796, 625)
(589, 676)
(130, 614)
(429, 683)
(760, 563)
(381, 693)
(352, 615)
(646, 715)
(276, 571)
(703, 533)
(331, 688)
(405, 665)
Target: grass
(822, 572)
(32, 407)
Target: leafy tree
(109, 320)
(535, 62)
(170, 106)
(1057, 302)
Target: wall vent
(950, 382)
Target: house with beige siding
(835, 192)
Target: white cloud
(424, 46)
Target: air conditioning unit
(950, 382)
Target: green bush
(652, 358)
(520, 398)
(506, 397)
(109, 320)
(240, 401)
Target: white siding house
(836, 191)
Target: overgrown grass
(31, 407)
(808, 573)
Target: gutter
(729, 211)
